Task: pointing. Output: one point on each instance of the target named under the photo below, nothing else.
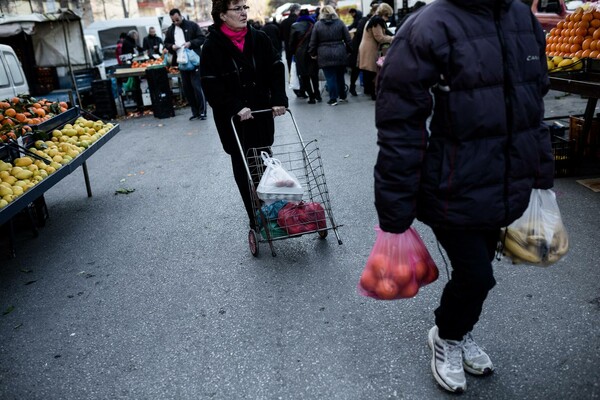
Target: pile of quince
(558, 63)
(65, 145)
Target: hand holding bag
(539, 236)
(399, 264)
(191, 60)
(276, 183)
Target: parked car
(283, 11)
(12, 77)
(549, 12)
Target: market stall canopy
(56, 37)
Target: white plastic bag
(294, 80)
(277, 183)
(539, 236)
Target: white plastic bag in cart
(277, 183)
(538, 237)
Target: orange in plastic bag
(399, 264)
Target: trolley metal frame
(304, 161)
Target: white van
(12, 77)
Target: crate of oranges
(575, 38)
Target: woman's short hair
(219, 7)
(384, 10)
(328, 12)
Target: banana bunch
(524, 244)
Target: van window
(15, 68)
(4, 82)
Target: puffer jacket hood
(459, 117)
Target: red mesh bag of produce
(399, 264)
(301, 217)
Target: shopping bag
(399, 264)
(190, 60)
(276, 183)
(267, 219)
(539, 236)
(294, 80)
(302, 217)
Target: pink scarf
(237, 37)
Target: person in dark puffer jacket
(477, 69)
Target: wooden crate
(591, 147)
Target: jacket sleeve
(404, 103)
(218, 86)
(277, 73)
(170, 39)
(197, 38)
(314, 42)
(380, 36)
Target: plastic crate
(591, 147)
(563, 150)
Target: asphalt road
(155, 295)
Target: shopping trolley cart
(310, 213)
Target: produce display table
(21, 202)
(140, 73)
(586, 84)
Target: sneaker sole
(477, 372)
(437, 377)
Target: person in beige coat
(374, 36)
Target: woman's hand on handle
(278, 110)
(245, 114)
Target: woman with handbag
(375, 35)
(329, 45)
(241, 72)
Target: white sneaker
(475, 360)
(447, 362)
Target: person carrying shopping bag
(469, 170)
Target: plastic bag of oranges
(399, 264)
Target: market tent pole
(73, 81)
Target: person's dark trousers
(471, 253)
(354, 73)
(192, 89)
(369, 83)
(310, 84)
(336, 86)
(197, 84)
(241, 179)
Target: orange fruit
(10, 112)
(596, 35)
(594, 53)
(409, 290)
(368, 280)
(587, 16)
(583, 24)
(387, 289)
(595, 23)
(20, 117)
(575, 48)
(63, 104)
(401, 274)
(594, 45)
(378, 263)
(421, 270)
(558, 26)
(586, 44)
(586, 53)
(15, 100)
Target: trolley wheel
(323, 234)
(253, 242)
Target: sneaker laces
(471, 349)
(453, 354)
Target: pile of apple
(64, 145)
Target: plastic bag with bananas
(539, 236)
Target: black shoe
(311, 101)
(193, 117)
(319, 99)
(353, 92)
(202, 117)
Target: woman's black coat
(232, 80)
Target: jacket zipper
(507, 106)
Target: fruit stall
(36, 153)
(573, 57)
